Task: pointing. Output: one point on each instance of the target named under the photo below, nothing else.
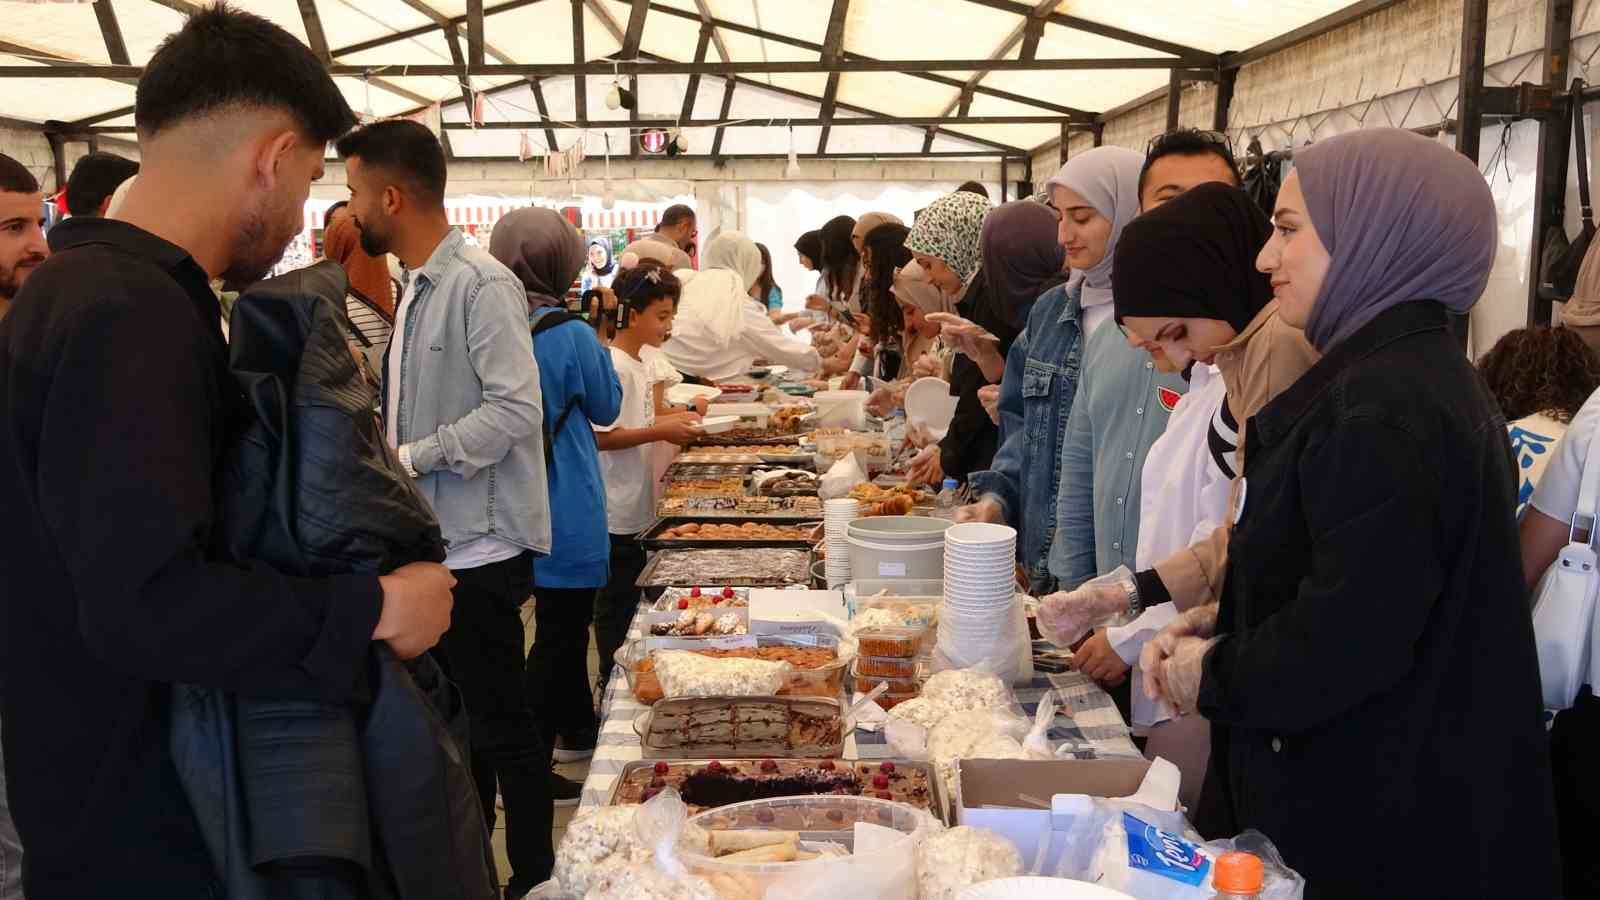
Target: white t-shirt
(1556, 494)
(1183, 498)
(662, 453)
(629, 474)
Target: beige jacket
(1267, 357)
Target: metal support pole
(1174, 98)
(1005, 175)
(1225, 82)
(1066, 136)
(1555, 137)
(1474, 34)
(1099, 134)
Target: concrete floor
(575, 771)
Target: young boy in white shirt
(647, 299)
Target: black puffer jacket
(300, 798)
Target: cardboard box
(988, 794)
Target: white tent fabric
(541, 32)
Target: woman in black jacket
(1370, 672)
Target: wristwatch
(1134, 605)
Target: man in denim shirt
(462, 406)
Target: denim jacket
(470, 407)
(1121, 409)
(1035, 399)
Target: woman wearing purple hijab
(1370, 673)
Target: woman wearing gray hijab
(1370, 672)
(579, 387)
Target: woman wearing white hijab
(720, 329)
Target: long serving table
(1095, 729)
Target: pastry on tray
(814, 671)
(696, 727)
(735, 531)
(720, 783)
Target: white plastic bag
(950, 862)
(840, 478)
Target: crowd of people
(1259, 487)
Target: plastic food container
(891, 700)
(741, 728)
(870, 667)
(825, 681)
(888, 868)
(897, 685)
(903, 641)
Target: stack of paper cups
(976, 621)
(837, 516)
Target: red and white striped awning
(616, 219)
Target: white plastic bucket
(897, 547)
(841, 409)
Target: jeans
(482, 653)
(558, 665)
(618, 602)
(10, 845)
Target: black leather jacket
(298, 797)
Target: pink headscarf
(1403, 217)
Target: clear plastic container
(881, 667)
(899, 686)
(825, 681)
(891, 700)
(903, 641)
(888, 869)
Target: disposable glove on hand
(1065, 617)
(1181, 672)
(1200, 622)
(989, 396)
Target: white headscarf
(1108, 178)
(717, 295)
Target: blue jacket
(1121, 408)
(1036, 396)
(577, 381)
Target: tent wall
(1397, 67)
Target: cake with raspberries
(708, 785)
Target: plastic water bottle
(944, 506)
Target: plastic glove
(925, 467)
(883, 401)
(927, 366)
(985, 510)
(1182, 671)
(918, 436)
(1200, 623)
(989, 396)
(1066, 616)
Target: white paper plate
(1036, 887)
(688, 393)
(928, 403)
(718, 424)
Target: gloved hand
(1199, 623)
(1180, 673)
(989, 396)
(925, 467)
(883, 402)
(985, 510)
(1067, 616)
(927, 366)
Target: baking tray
(735, 439)
(758, 749)
(721, 515)
(693, 471)
(649, 541)
(647, 579)
(935, 790)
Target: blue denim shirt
(1121, 409)
(469, 406)
(1036, 397)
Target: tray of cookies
(689, 535)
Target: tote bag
(1564, 601)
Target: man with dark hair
(462, 406)
(94, 179)
(22, 243)
(22, 250)
(335, 212)
(115, 409)
(973, 187)
(1183, 159)
(677, 227)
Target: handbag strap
(1579, 133)
(1583, 519)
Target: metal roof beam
(475, 44)
(182, 7)
(544, 113)
(635, 30)
(706, 30)
(580, 83)
(832, 46)
(871, 121)
(704, 12)
(111, 32)
(808, 45)
(1193, 55)
(727, 105)
(439, 20)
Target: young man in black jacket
(115, 406)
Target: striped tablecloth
(1094, 729)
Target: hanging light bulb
(614, 96)
(793, 169)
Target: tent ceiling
(539, 32)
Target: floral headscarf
(950, 230)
